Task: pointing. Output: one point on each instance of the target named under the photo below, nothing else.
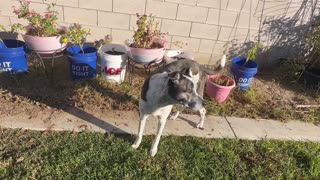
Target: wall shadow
(283, 36)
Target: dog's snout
(192, 104)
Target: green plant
(146, 33)
(252, 52)
(2, 28)
(41, 25)
(17, 28)
(76, 35)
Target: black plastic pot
(312, 78)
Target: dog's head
(183, 89)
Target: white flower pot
(145, 56)
(44, 45)
(113, 62)
(174, 55)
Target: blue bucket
(13, 58)
(82, 65)
(243, 74)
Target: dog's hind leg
(203, 112)
(142, 123)
(162, 122)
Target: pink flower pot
(145, 56)
(44, 45)
(220, 93)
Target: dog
(182, 83)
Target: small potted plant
(148, 43)
(82, 58)
(42, 34)
(244, 68)
(12, 55)
(219, 87)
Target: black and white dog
(180, 82)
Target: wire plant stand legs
(133, 65)
(41, 56)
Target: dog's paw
(135, 146)
(200, 126)
(172, 117)
(153, 152)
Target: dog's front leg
(162, 122)
(142, 123)
(203, 112)
(179, 109)
(174, 117)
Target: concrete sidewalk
(121, 122)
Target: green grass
(53, 155)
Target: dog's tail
(209, 71)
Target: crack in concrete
(234, 133)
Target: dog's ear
(175, 76)
(187, 71)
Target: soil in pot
(114, 53)
(221, 81)
(32, 33)
(153, 46)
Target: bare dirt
(34, 93)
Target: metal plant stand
(133, 65)
(43, 55)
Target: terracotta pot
(218, 92)
(44, 45)
(145, 56)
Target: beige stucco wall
(206, 25)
